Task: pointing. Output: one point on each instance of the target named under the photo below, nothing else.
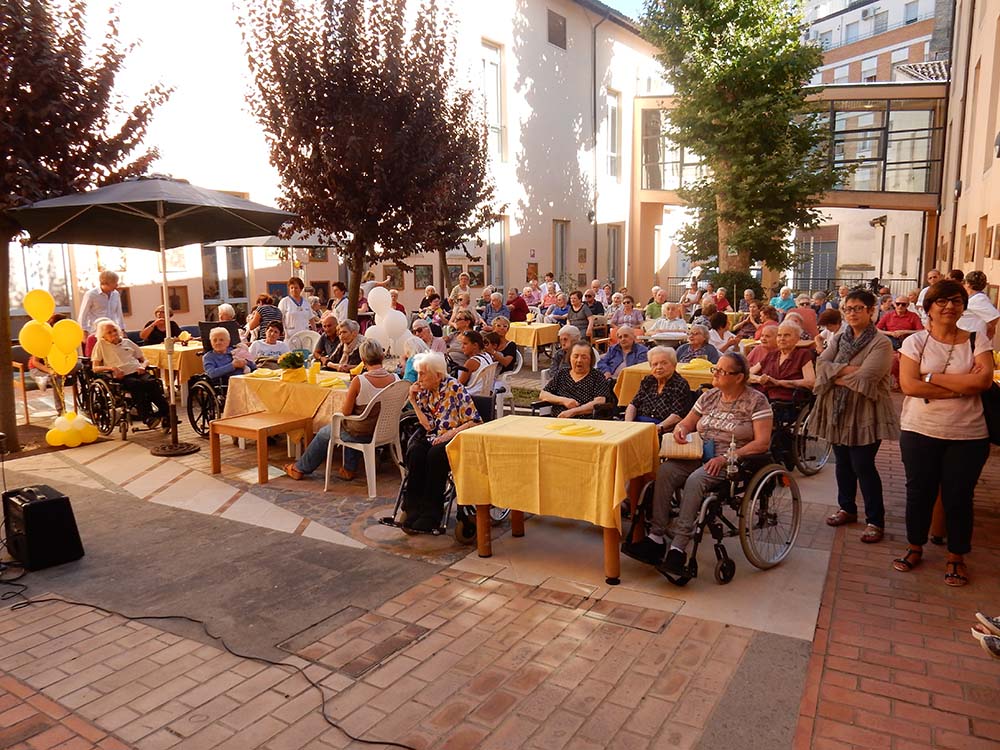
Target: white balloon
(62, 424)
(379, 334)
(79, 423)
(380, 300)
(395, 323)
(379, 319)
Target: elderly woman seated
(768, 343)
(568, 335)
(444, 409)
(731, 412)
(223, 360)
(697, 346)
(627, 314)
(155, 331)
(672, 320)
(787, 367)
(576, 390)
(625, 353)
(719, 334)
(559, 311)
(120, 358)
(360, 393)
(346, 355)
(664, 397)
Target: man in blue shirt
(784, 301)
(625, 353)
(496, 309)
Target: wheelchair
(108, 405)
(793, 444)
(768, 509)
(206, 401)
(465, 515)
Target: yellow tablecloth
(996, 376)
(733, 317)
(186, 359)
(627, 384)
(518, 463)
(247, 394)
(533, 336)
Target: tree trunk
(730, 259)
(356, 258)
(8, 415)
(443, 268)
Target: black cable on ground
(20, 588)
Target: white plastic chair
(485, 377)
(392, 399)
(503, 388)
(304, 341)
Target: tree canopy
(378, 148)
(64, 127)
(740, 70)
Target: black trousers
(146, 391)
(427, 473)
(856, 466)
(953, 466)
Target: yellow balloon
(72, 438)
(55, 438)
(67, 335)
(39, 305)
(90, 433)
(60, 361)
(70, 416)
(36, 338)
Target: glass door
(224, 279)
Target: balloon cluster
(390, 325)
(71, 430)
(56, 344)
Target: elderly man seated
(625, 353)
(900, 322)
(346, 356)
(655, 308)
(495, 309)
(123, 360)
(672, 320)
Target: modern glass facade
(665, 164)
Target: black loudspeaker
(40, 527)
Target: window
(906, 254)
(900, 55)
(614, 251)
(612, 130)
(881, 22)
(842, 74)
(224, 278)
(496, 244)
(910, 12)
(826, 39)
(560, 243)
(493, 96)
(665, 165)
(557, 30)
(869, 69)
(851, 33)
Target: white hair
(572, 331)
(667, 351)
(627, 329)
(698, 328)
(350, 325)
(497, 295)
(226, 309)
(430, 362)
(792, 326)
(412, 346)
(97, 325)
(102, 326)
(219, 330)
(786, 289)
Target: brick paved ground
(893, 664)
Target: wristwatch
(927, 377)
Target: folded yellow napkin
(332, 383)
(580, 430)
(696, 364)
(265, 373)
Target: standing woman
(854, 411)
(944, 440)
(296, 314)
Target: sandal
(294, 473)
(910, 559)
(872, 534)
(841, 518)
(957, 574)
(992, 624)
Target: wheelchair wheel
(103, 410)
(769, 516)
(725, 571)
(809, 451)
(202, 407)
(465, 529)
(497, 515)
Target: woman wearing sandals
(944, 440)
(854, 411)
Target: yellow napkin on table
(332, 383)
(699, 363)
(263, 373)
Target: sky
(631, 8)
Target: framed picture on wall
(996, 242)
(319, 254)
(126, 297)
(581, 256)
(275, 253)
(477, 275)
(581, 280)
(423, 276)
(393, 274)
(453, 273)
(277, 289)
(532, 272)
(322, 290)
(993, 292)
(175, 258)
(178, 296)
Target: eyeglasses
(944, 301)
(720, 371)
(854, 308)
(902, 304)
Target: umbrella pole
(173, 448)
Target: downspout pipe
(593, 113)
(957, 186)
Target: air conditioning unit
(867, 13)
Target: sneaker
(647, 551)
(990, 623)
(675, 563)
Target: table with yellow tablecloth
(186, 361)
(247, 394)
(629, 378)
(532, 336)
(523, 464)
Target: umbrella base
(175, 449)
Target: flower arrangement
(292, 366)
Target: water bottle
(731, 458)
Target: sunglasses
(901, 304)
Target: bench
(257, 426)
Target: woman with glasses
(730, 412)
(697, 346)
(944, 440)
(854, 412)
(628, 315)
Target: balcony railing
(844, 42)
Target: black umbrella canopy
(130, 213)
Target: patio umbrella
(150, 213)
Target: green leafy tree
(740, 71)
(378, 148)
(64, 127)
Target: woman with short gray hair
(697, 346)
